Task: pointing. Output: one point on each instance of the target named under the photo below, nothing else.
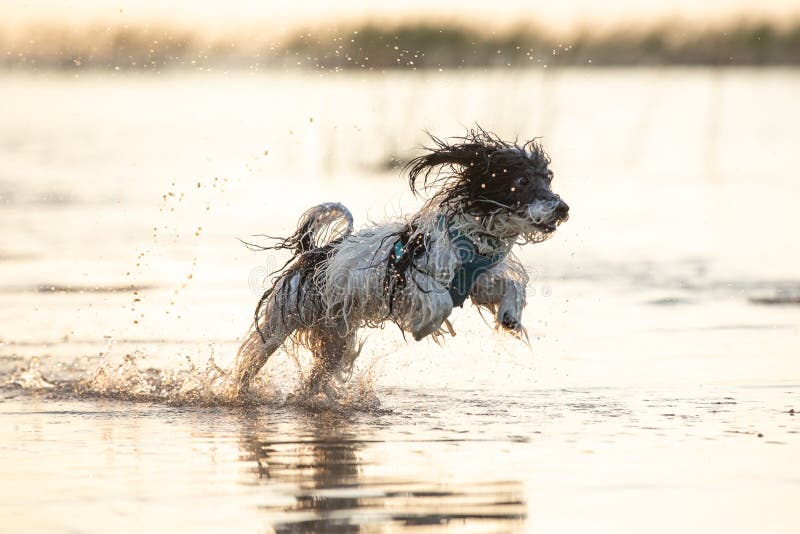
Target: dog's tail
(320, 226)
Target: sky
(216, 16)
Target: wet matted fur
(486, 195)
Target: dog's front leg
(502, 295)
(429, 312)
(509, 310)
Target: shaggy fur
(486, 196)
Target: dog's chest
(472, 264)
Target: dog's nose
(562, 210)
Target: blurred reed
(408, 46)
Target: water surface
(658, 394)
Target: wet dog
(486, 196)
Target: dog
(486, 195)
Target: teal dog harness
(472, 264)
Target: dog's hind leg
(255, 351)
(333, 353)
(276, 322)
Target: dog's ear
(460, 158)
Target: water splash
(207, 384)
(31, 378)
(191, 385)
(340, 394)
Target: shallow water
(658, 394)
(544, 459)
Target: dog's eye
(522, 181)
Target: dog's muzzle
(546, 215)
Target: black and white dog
(488, 195)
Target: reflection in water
(325, 474)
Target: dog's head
(505, 185)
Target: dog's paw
(509, 322)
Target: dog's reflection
(320, 457)
(324, 455)
(319, 461)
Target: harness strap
(472, 264)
